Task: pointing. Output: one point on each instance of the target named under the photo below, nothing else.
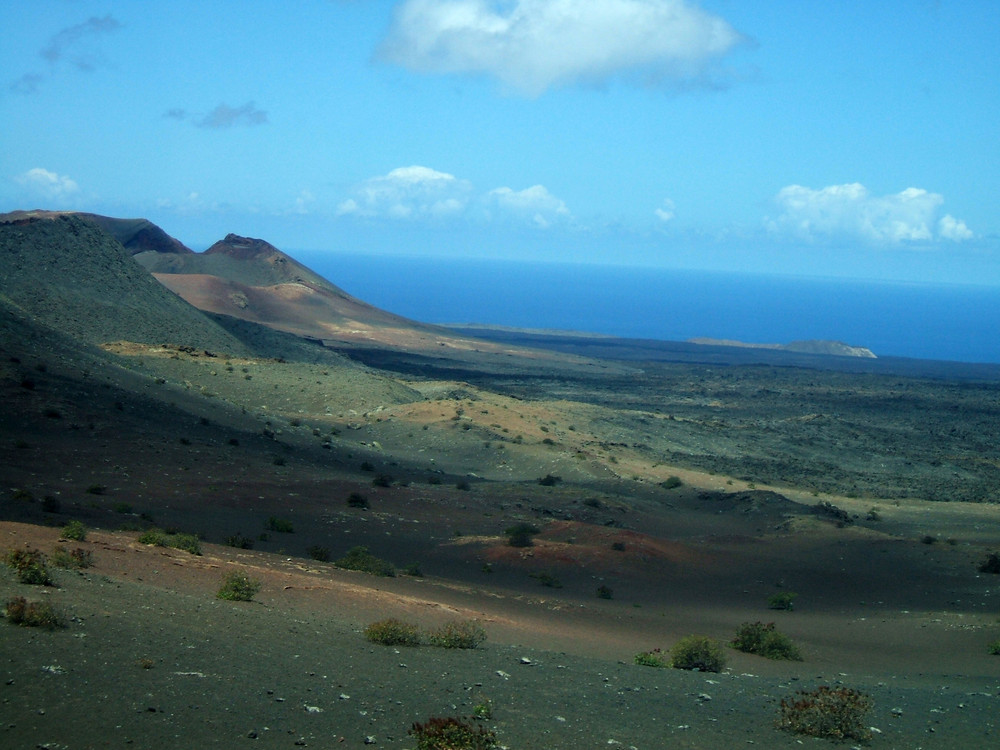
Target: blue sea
(924, 321)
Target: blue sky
(823, 138)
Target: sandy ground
(150, 658)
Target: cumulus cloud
(665, 212)
(950, 228)
(409, 193)
(851, 211)
(535, 204)
(225, 116)
(48, 185)
(533, 45)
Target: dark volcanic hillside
(135, 235)
(66, 273)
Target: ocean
(923, 321)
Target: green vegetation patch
(698, 652)
(29, 564)
(835, 713)
(160, 538)
(458, 634)
(237, 586)
(359, 558)
(450, 733)
(20, 611)
(655, 658)
(393, 632)
(763, 639)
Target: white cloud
(48, 185)
(533, 45)
(536, 204)
(852, 212)
(666, 212)
(409, 193)
(950, 228)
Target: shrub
(991, 564)
(237, 586)
(320, 554)
(51, 504)
(359, 558)
(75, 558)
(464, 485)
(29, 564)
(393, 632)
(121, 507)
(697, 652)
(654, 658)
(19, 611)
(994, 648)
(357, 500)
(837, 713)
(186, 542)
(782, 600)
(520, 535)
(671, 482)
(547, 579)
(96, 489)
(604, 592)
(280, 525)
(413, 569)
(764, 640)
(452, 734)
(74, 531)
(160, 538)
(382, 480)
(457, 634)
(549, 480)
(239, 541)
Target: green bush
(991, 564)
(239, 541)
(319, 554)
(764, 640)
(357, 500)
(457, 634)
(280, 525)
(393, 632)
(74, 531)
(75, 558)
(237, 586)
(654, 658)
(19, 611)
(160, 538)
(835, 713)
(452, 734)
(782, 600)
(994, 648)
(29, 564)
(605, 592)
(698, 652)
(520, 535)
(359, 558)
(671, 482)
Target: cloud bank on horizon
(652, 131)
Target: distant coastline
(919, 321)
